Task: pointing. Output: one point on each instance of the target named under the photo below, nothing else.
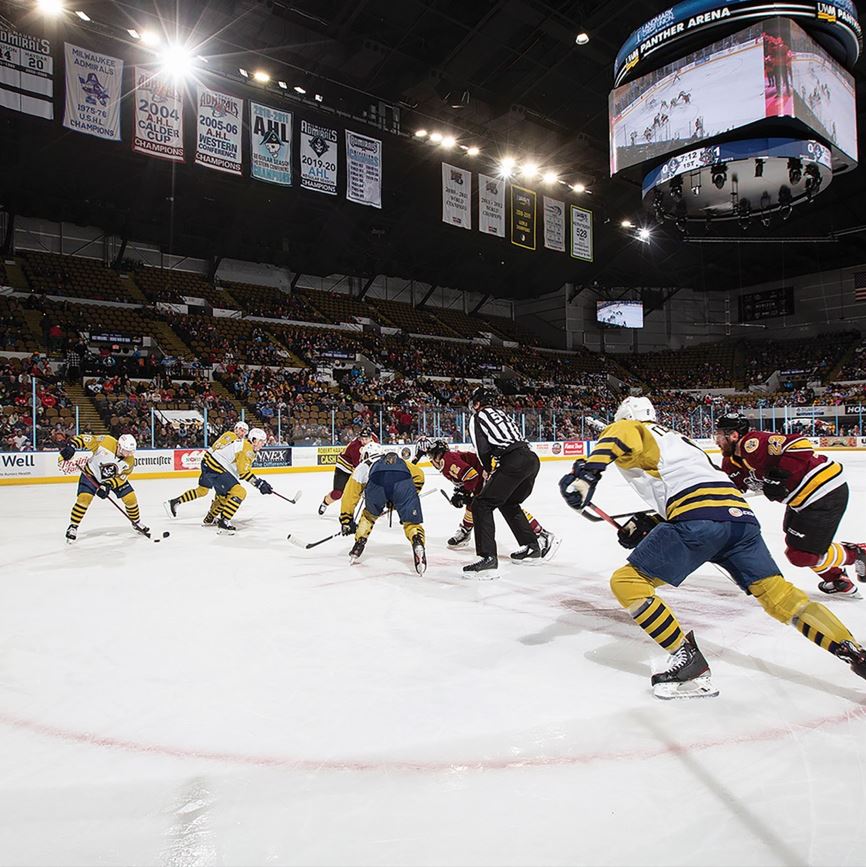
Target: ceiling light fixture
(473, 151)
(435, 137)
(261, 76)
(134, 33)
(150, 37)
(582, 38)
(243, 72)
(298, 89)
(549, 178)
(50, 7)
(82, 15)
(578, 188)
(283, 85)
(448, 142)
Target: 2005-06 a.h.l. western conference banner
(93, 88)
(363, 169)
(218, 131)
(158, 115)
(456, 196)
(491, 206)
(270, 144)
(319, 158)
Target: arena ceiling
(530, 89)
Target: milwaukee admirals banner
(93, 88)
(319, 158)
(26, 74)
(363, 169)
(270, 144)
(218, 131)
(158, 116)
(554, 224)
(456, 196)
(491, 206)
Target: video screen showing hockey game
(620, 314)
(688, 100)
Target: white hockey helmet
(257, 437)
(371, 451)
(241, 428)
(126, 444)
(636, 409)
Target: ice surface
(236, 700)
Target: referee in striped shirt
(495, 435)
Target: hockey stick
(291, 500)
(597, 519)
(122, 511)
(301, 544)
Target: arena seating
(256, 300)
(338, 308)
(171, 285)
(704, 366)
(411, 319)
(72, 276)
(813, 358)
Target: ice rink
(219, 700)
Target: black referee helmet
(484, 395)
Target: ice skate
(860, 558)
(357, 550)
(71, 534)
(209, 520)
(171, 507)
(485, 569)
(549, 545)
(419, 553)
(140, 528)
(323, 507)
(841, 585)
(224, 527)
(854, 656)
(527, 553)
(687, 676)
(460, 538)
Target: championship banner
(491, 206)
(218, 131)
(522, 217)
(319, 158)
(456, 201)
(270, 144)
(554, 225)
(363, 169)
(158, 116)
(93, 89)
(581, 234)
(26, 74)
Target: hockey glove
(348, 527)
(264, 486)
(775, 485)
(460, 498)
(637, 528)
(103, 490)
(578, 486)
(67, 451)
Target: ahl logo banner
(158, 116)
(270, 144)
(93, 89)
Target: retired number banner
(319, 158)
(491, 206)
(522, 217)
(554, 224)
(26, 74)
(158, 116)
(93, 87)
(218, 131)
(581, 233)
(270, 144)
(363, 169)
(456, 197)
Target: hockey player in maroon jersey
(464, 470)
(348, 459)
(785, 468)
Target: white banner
(491, 206)
(581, 233)
(158, 127)
(26, 74)
(218, 131)
(363, 169)
(270, 144)
(456, 196)
(554, 224)
(94, 84)
(319, 158)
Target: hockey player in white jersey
(705, 519)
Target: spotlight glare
(448, 142)
(176, 61)
(626, 224)
(582, 38)
(262, 76)
(508, 164)
(50, 7)
(473, 151)
(579, 188)
(549, 177)
(436, 137)
(529, 170)
(82, 15)
(149, 37)
(420, 133)
(298, 89)
(643, 234)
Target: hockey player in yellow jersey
(107, 469)
(222, 469)
(384, 479)
(238, 432)
(705, 519)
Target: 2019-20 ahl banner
(218, 131)
(456, 196)
(319, 158)
(270, 144)
(363, 169)
(554, 224)
(93, 87)
(26, 74)
(158, 116)
(491, 206)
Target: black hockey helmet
(366, 431)
(485, 395)
(437, 449)
(733, 421)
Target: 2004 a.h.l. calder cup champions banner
(554, 224)
(26, 74)
(319, 158)
(218, 131)
(491, 206)
(158, 116)
(456, 197)
(270, 144)
(363, 169)
(522, 217)
(93, 87)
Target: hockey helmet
(126, 444)
(437, 449)
(372, 451)
(733, 422)
(257, 437)
(484, 395)
(366, 432)
(635, 409)
(241, 428)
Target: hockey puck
(157, 540)
(165, 534)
